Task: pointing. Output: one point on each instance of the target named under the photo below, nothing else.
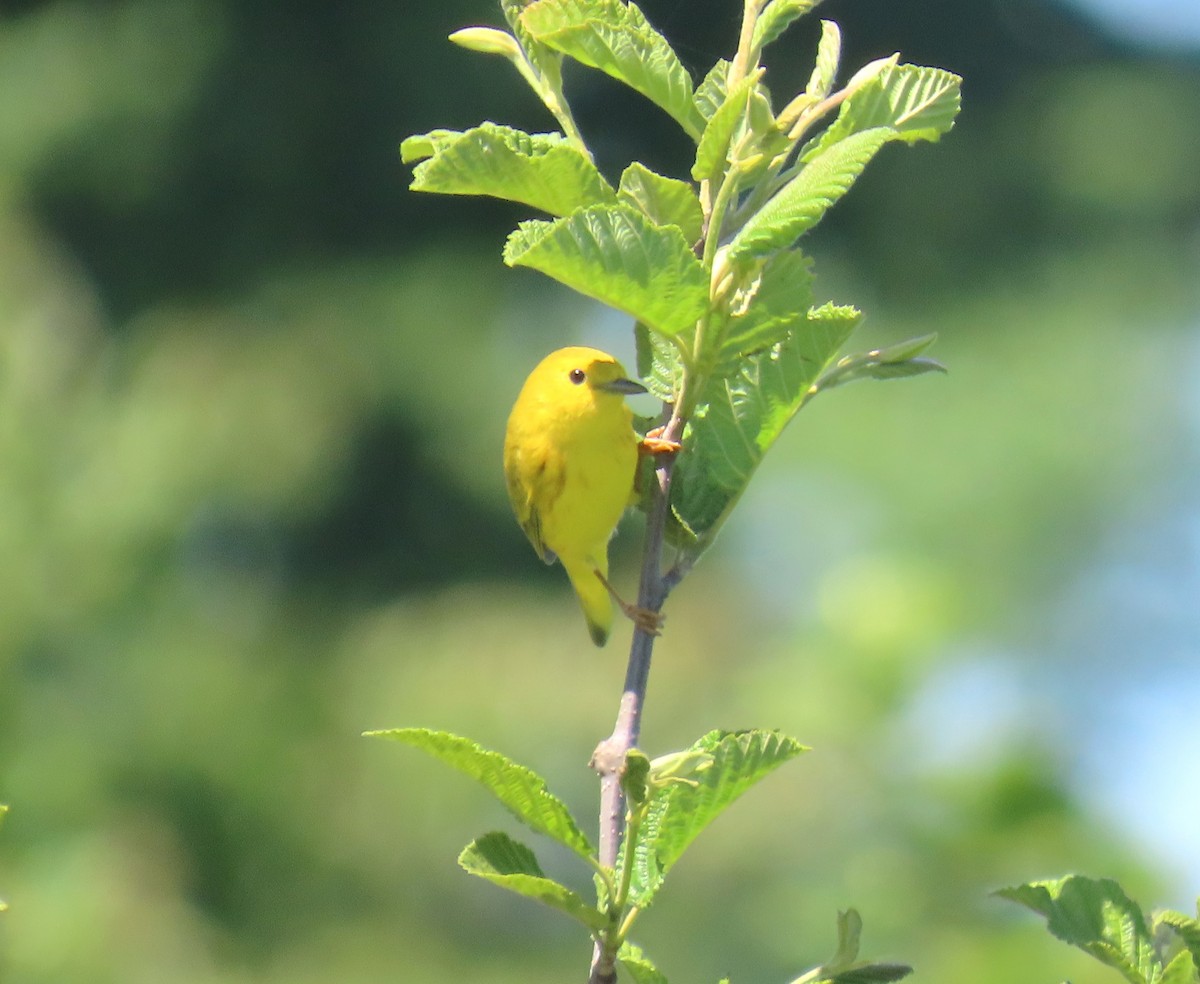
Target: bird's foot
(655, 443)
(650, 622)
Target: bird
(570, 458)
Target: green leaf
(616, 255)
(1097, 917)
(664, 201)
(893, 362)
(1186, 927)
(638, 965)
(522, 791)
(911, 101)
(681, 811)
(713, 150)
(616, 38)
(777, 17)
(765, 309)
(1181, 970)
(829, 56)
(542, 169)
(742, 415)
(658, 362)
(510, 864)
(710, 93)
(801, 203)
(544, 60)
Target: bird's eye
(577, 376)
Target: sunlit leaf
(913, 102)
(1096, 916)
(892, 362)
(713, 150)
(615, 37)
(777, 17)
(540, 169)
(1187, 928)
(638, 966)
(771, 304)
(681, 811)
(1181, 970)
(616, 255)
(829, 55)
(710, 93)
(664, 201)
(742, 415)
(545, 61)
(510, 864)
(801, 203)
(521, 790)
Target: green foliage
(616, 38)
(542, 170)
(1097, 916)
(727, 335)
(521, 790)
(671, 800)
(680, 811)
(616, 255)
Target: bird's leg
(655, 443)
(649, 622)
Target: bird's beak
(626, 386)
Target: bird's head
(575, 372)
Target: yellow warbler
(570, 454)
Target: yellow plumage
(570, 454)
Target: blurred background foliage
(252, 395)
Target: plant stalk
(609, 757)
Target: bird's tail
(593, 597)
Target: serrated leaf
(503, 861)
(616, 255)
(801, 203)
(829, 56)
(615, 37)
(740, 416)
(522, 791)
(710, 93)
(1187, 928)
(1181, 970)
(713, 149)
(912, 101)
(542, 170)
(544, 60)
(1096, 916)
(777, 17)
(658, 362)
(892, 362)
(681, 811)
(765, 309)
(664, 201)
(638, 966)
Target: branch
(609, 757)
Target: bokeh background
(252, 394)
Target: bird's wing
(535, 479)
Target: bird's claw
(650, 622)
(655, 443)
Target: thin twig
(609, 758)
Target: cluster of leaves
(670, 801)
(1098, 917)
(709, 268)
